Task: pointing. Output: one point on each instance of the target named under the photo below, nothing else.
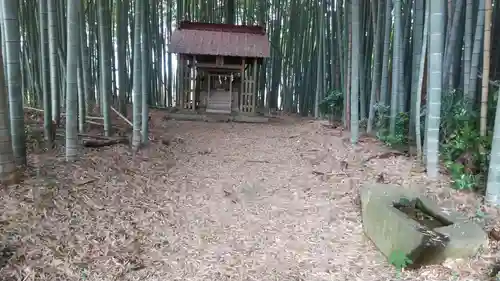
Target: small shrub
(381, 115)
(332, 105)
(399, 260)
(464, 151)
(400, 136)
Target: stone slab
(250, 118)
(467, 238)
(218, 117)
(391, 229)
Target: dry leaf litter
(217, 201)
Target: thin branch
(63, 114)
(122, 117)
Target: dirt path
(222, 201)
(255, 211)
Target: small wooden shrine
(217, 66)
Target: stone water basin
(399, 219)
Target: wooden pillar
(177, 78)
(254, 84)
(181, 82)
(242, 86)
(209, 76)
(191, 91)
(195, 83)
(187, 83)
(197, 86)
(231, 91)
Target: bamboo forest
(249, 140)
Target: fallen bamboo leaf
(84, 182)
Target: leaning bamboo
(63, 114)
(122, 117)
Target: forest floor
(213, 201)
